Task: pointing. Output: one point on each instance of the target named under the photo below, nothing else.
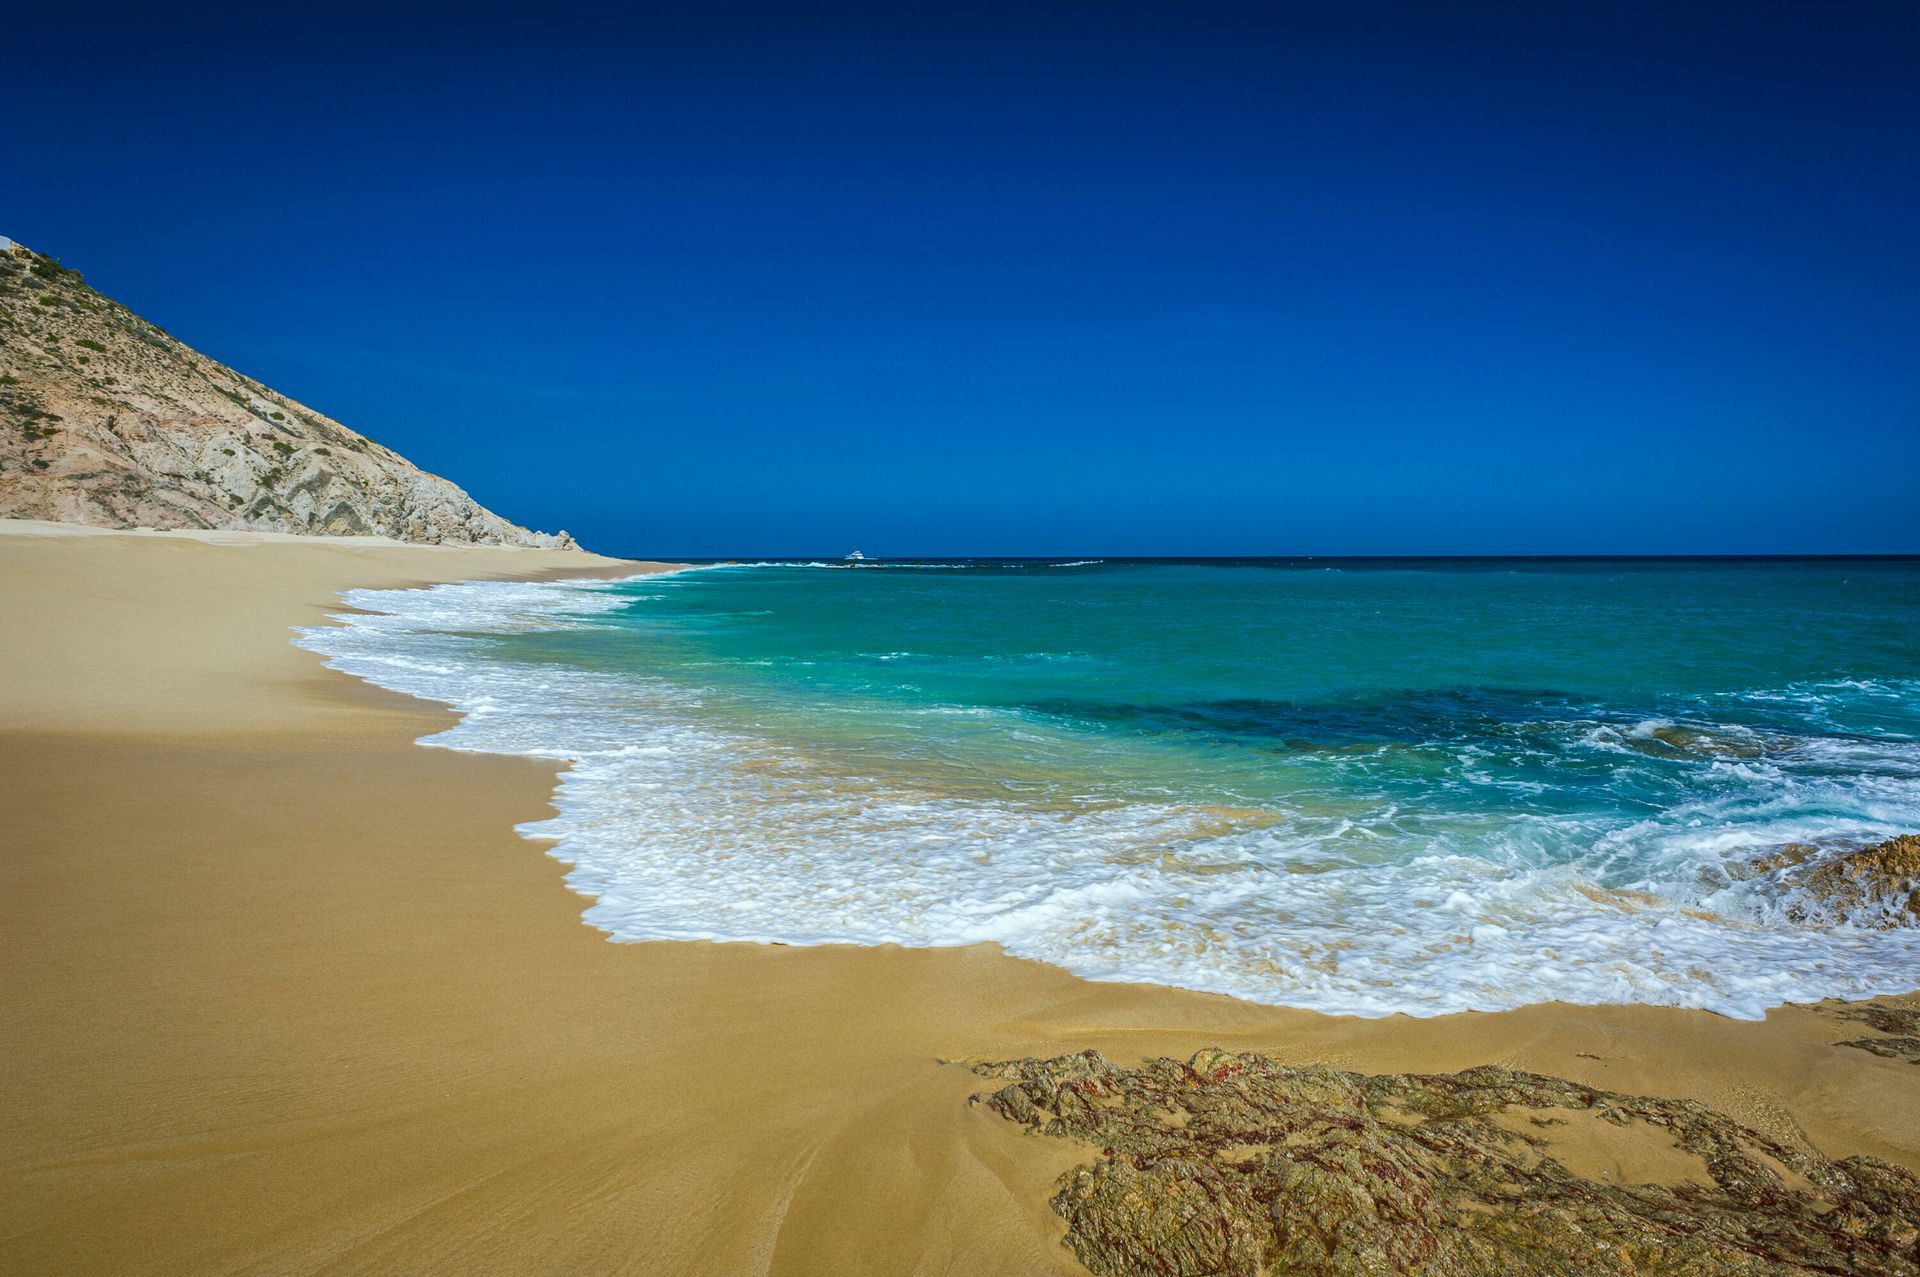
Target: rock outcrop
(1235, 1166)
(1877, 885)
(106, 420)
(1899, 1024)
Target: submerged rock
(1236, 1166)
(1878, 885)
(1667, 739)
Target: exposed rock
(1877, 885)
(106, 420)
(1904, 1048)
(1235, 1166)
(1902, 1024)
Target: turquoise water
(1364, 787)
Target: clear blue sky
(1021, 279)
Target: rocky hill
(106, 420)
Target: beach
(287, 993)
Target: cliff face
(106, 420)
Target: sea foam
(677, 828)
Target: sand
(285, 993)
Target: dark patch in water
(1414, 718)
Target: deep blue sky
(1528, 278)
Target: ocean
(1359, 786)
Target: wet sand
(286, 994)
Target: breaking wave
(1365, 895)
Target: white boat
(856, 557)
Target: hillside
(108, 421)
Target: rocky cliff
(106, 420)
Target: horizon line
(1089, 558)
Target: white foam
(678, 829)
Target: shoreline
(290, 992)
(565, 721)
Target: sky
(1032, 279)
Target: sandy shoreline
(287, 994)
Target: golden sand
(284, 993)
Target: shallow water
(1360, 787)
